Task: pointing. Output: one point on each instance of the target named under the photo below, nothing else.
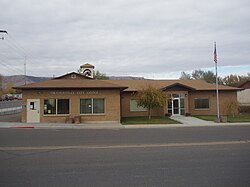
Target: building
(78, 96)
(244, 95)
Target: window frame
(92, 106)
(56, 107)
(195, 99)
(138, 108)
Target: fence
(10, 107)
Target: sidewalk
(189, 120)
(61, 125)
(110, 125)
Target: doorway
(176, 104)
(33, 110)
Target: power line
(4, 60)
(15, 50)
(9, 67)
(16, 45)
(26, 52)
(18, 50)
(16, 68)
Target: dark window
(63, 106)
(33, 106)
(50, 106)
(56, 106)
(92, 106)
(86, 106)
(201, 103)
(98, 106)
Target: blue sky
(154, 39)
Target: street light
(3, 31)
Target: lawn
(145, 120)
(230, 118)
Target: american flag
(215, 53)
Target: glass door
(176, 106)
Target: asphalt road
(200, 156)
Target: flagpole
(217, 87)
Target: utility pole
(25, 70)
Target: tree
(207, 76)
(8, 88)
(185, 76)
(151, 98)
(100, 76)
(232, 108)
(235, 80)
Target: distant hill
(18, 80)
(125, 78)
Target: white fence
(10, 107)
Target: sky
(153, 39)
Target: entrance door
(176, 106)
(33, 110)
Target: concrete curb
(60, 125)
(23, 127)
(109, 126)
(183, 125)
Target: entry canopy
(178, 87)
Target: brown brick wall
(126, 96)
(225, 98)
(112, 103)
(125, 103)
(111, 96)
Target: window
(92, 106)
(73, 76)
(98, 106)
(49, 106)
(135, 108)
(62, 106)
(86, 106)
(56, 106)
(201, 103)
(33, 106)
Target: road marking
(124, 146)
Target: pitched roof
(72, 84)
(245, 85)
(127, 85)
(87, 65)
(72, 73)
(136, 85)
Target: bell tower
(87, 70)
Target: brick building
(244, 95)
(79, 96)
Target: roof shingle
(126, 85)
